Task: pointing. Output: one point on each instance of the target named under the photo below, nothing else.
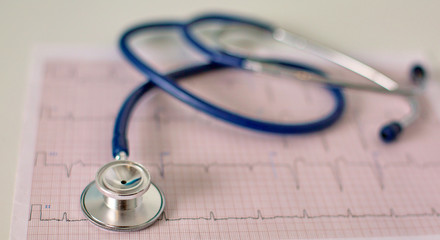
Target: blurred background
(350, 26)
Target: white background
(347, 25)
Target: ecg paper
(224, 182)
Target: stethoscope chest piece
(122, 197)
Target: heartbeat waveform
(160, 114)
(334, 166)
(63, 218)
(66, 167)
(305, 215)
(349, 214)
(113, 73)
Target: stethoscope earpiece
(390, 132)
(418, 74)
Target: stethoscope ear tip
(390, 132)
(418, 74)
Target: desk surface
(346, 25)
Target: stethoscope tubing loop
(170, 86)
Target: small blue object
(391, 131)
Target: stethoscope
(123, 197)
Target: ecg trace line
(67, 167)
(259, 216)
(335, 166)
(161, 114)
(40, 218)
(115, 74)
(306, 215)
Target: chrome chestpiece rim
(122, 197)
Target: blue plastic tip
(418, 74)
(390, 132)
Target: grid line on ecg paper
(220, 181)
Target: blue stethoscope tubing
(168, 84)
(120, 142)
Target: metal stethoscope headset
(123, 198)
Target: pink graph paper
(224, 182)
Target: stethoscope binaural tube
(388, 133)
(169, 85)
